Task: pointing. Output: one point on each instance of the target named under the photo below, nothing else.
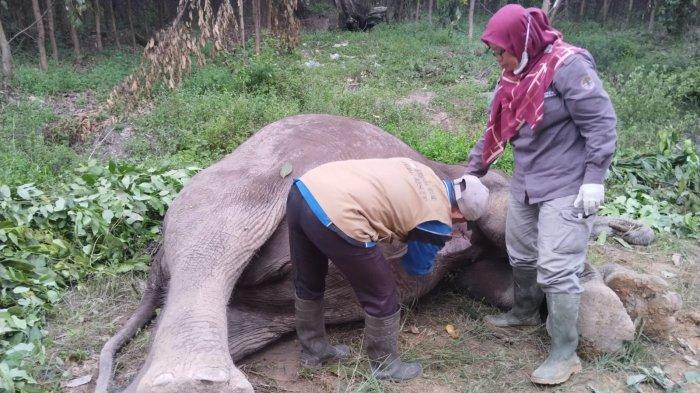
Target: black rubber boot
(562, 322)
(311, 331)
(527, 298)
(382, 345)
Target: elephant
(222, 275)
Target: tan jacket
(379, 199)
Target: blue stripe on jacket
(423, 242)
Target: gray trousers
(551, 237)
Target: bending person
(339, 211)
(551, 106)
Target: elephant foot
(603, 322)
(211, 375)
(645, 296)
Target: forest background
(108, 106)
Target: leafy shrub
(99, 220)
(662, 189)
(652, 99)
(108, 69)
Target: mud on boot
(381, 343)
(562, 361)
(527, 298)
(311, 330)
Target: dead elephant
(222, 275)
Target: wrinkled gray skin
(222, 275)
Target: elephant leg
(488, 279)
(189, 351)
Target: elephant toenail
(212, 375)
(163, 379)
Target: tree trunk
(242, 23)
(545, 6)
(114, 24)
(130, 16)
(6, 56)
(652, 12)
(269, 14)
(40, 36)
(606, 8)
(630, 7)
(554, 10)
(582, 10)
(257, 22)
(52, 29)
(71, 25)
(471, 19)
(417, 10)
(98, 25)
(430, 11)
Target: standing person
(551, 106)
(339, 211)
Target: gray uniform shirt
(574, 142)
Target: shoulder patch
(587, 82)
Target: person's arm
(592, 112)
(475, 164)
(424, 242)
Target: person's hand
(590, 196)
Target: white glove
(590, 196)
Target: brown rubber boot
(311, 331)
(382, 345)
(562, 361)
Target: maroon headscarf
(519, 99)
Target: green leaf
(602, 238)
(636, 379)
(622, 242)
(107, 215)
(286, 170)
(5, 192)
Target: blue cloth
(424, 242)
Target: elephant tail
(152, 299)
(632, 231)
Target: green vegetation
(63, 218)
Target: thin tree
(242, 23)
(114, 23)
(256, 21)
(630, 8)
(72, 16)
(417, 10)
(545, 6)
(471, 19)
(6, 56)
(130, 17)
(52, 29)
(98, 25)
(606, 8)
(40, 35)
(430, 11)
(269, 15)
(652, 11)
(582, 10)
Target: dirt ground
(478, 360)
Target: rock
(603, 322)
(645, 296)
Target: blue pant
(312, 244)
